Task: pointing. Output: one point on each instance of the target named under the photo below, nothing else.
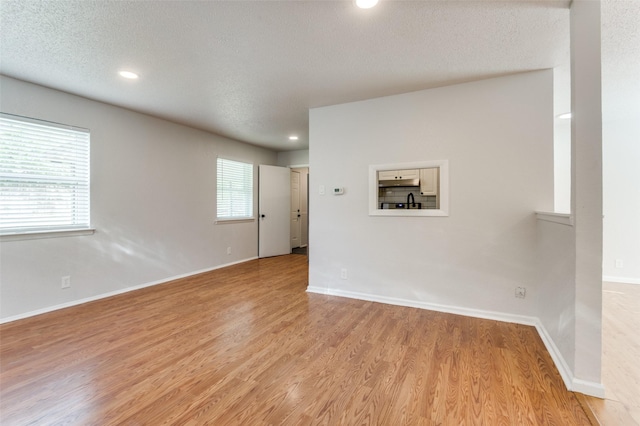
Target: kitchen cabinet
(429, 181)
(398, 174)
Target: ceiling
(250, 70)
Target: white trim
(623, 280)
(556, 355)
(46, 122)
(588, 388)
(116, 292)
(409, 213)
(35, 235)
(561, 218)
(221, 221)
(476, 313)
(317, 290)
(570, 382)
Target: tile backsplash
(400, 194)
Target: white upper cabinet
(398, 174)
(429, 181)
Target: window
(44, 176)
(432, 189)
(235, 189)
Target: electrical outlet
(66, 281)
(521, 292)
(228, 250)
(619, 263)
(343, 273)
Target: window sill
(36, 235)
(561, 218)
(222, 221)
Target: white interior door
(274, 204)
(303, 219)
(295, 209)
(304, 207)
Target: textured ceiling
(621, 61)
(250, 70)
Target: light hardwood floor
(620, 357)
(246, 345)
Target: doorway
(299, 210)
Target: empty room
(319, 212)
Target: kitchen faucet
(413, 200)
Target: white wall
(621, 139)
(498, 137)
(153, 189)
(556, 273)
(293, 158)
(570, 253)
(586, 193)
(562, 164)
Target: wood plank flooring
(246, 345)
(620, 355)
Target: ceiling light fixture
(564, 116)
(293, 138)
(366, 4)
(128, 74)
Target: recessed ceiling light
(366, 4)
(128, 74)
(564, 116)
(293, 138)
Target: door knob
(262, 216)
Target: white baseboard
(476, 313)
(115, 293)
(319, 290)
(556, 355)
(624, 280)
(588, 388)
(571, 383)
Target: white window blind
(44, 176)
(235, 189)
